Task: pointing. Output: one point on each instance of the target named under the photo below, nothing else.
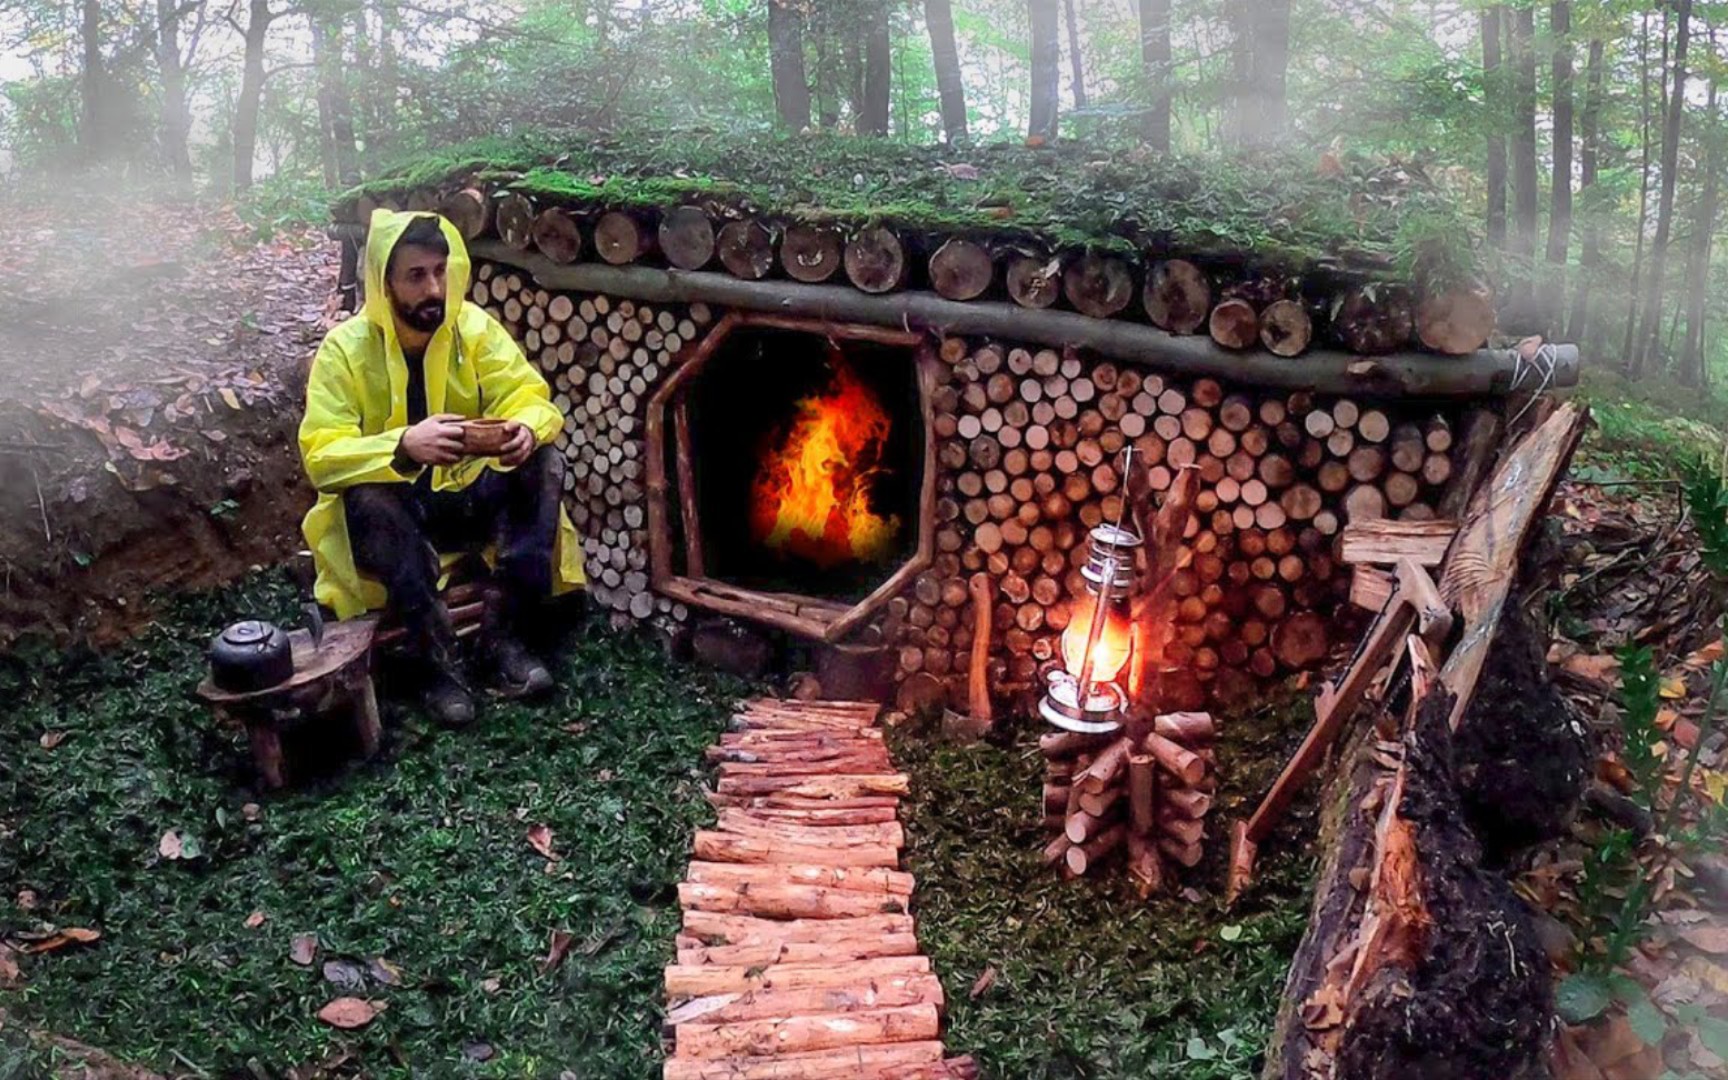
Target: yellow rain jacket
(357, 410)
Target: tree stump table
(332, 681)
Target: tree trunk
(1649, 356)
(176, 120)
(251, 93)
(1155, 69)
(786, 65)
(1494, 97)
(1262, 59)
(1626, 355)
(878, 60)
(323, 65)
(1578, 323)
(1692, 367)
(1078, 69)
(1525, 196)
(939, 17)
(1046, 69)
(1560, 196)
(93, 84)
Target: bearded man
(399, 496)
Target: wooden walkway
(798, 958)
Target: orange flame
(811, 494)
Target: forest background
(1588, 139)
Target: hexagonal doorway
(792, 472)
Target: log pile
(798, 956)
(602, 357)
(1141, 797)
(1364, 311)
(1030, 447)
(1028, 458)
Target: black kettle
(250, 655)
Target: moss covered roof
(1276, 207)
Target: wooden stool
(333, 676)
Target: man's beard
(425, 317)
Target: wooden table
(330, 679)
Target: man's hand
(520, 444)
(436, 440)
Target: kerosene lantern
(1086, 694)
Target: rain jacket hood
(357, 409)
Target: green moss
(1274, 207)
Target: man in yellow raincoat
(399, 496)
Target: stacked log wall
(1029, 445)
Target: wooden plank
(696, 981)
(1481, 568)
(881, 1062)
(1383, 542)
(794, 1034)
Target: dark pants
(397, 531)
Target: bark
(1077, 69)
(1578, 323)
(1560, 196)
(1692, 368)
(1155, 69)
(176, 119)
(878, 61)
(1524, 185)
(1046, 69)
(258, 20)
(939, 17)
(1262, 59)
(1649, 356)
(1494, 94)
(786, 66)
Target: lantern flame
(1113, 646)
(811, 494)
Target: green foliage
(418, 856)
(1707, 501)
(1640, 701)
(283, 201)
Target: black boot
(515, 672)
(443, 693)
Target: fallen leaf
(348, 1012)
(255, 920)
(229, 398)
(540, 839)
(560, 945)
(26, 900)
(178, 845)
(1672, 687)
(73, 935)
(384, 971)
(303, 948)
(251, 811)
(9, 972)
(478, 1051)
(1710, 939)
(1599, 668)
(492, 986)
(344, 973)
(984, 982)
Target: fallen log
(794, 1034)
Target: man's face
(417, 287)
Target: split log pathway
(798, 958)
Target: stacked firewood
(1143, 795)
(1366, 313)
(1030, 451)
(602, 357)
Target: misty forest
(806, 539)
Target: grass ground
(421, 858)
(1090, 981)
